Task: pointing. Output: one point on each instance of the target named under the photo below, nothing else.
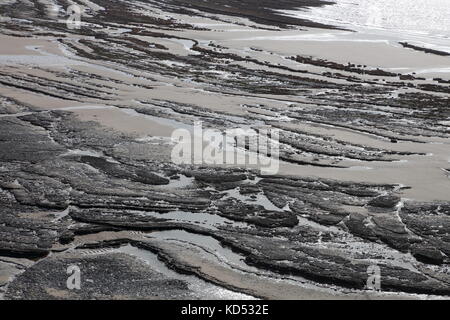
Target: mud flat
(87, 178)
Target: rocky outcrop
(255, 214)
(105, 276)
(389, 201)
(66, 185)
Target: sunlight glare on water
(423, 16)
(421, 21)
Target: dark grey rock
(103, 276)
(427, 254)
(233, 209)
(387, 201)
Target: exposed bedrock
(105, 276)
(68, 184)
(430, 222)
(389, 201)
(25, 237)
(325, 230)
(255, 214)
(139, 174)
(21, 142)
